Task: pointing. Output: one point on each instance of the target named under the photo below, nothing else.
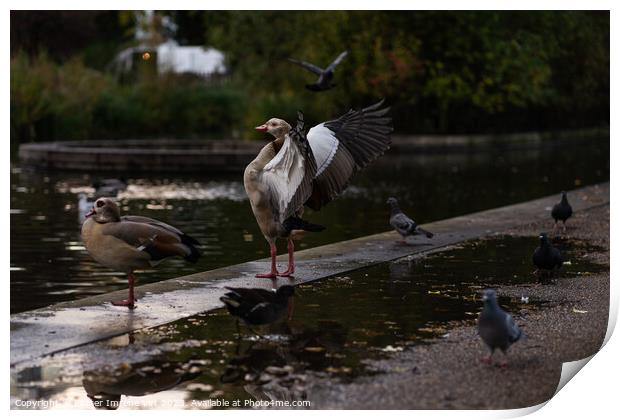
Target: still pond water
(49, 263)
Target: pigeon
(562, 211)
(258, 306)
(496, 327)
(326, 76)
(546, 256)
(402, 223)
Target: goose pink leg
(130, 301)
(291, 260)
(274, 272)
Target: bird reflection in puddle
(276, 370)
(106, 387)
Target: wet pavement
(70, 324)
(344, 332)
(567, 322)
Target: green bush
(441, 72)
(69, 101)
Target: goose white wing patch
(324, 145)
(283, 175)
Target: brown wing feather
(165, 242)
(333, 180)
(148, 220)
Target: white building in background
(171, 57)
(175, 58)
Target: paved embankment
(62, 326)
(447, 374)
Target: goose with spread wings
(298, 169)
(326, 75)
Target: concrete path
(59, 327)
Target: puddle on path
(338, 325)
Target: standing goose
(297, 169)
(132, 242)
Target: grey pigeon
(326, 76)
(562, 211)
(546, 256)
(496, 327)
(402, 223)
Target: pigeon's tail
(514, 338)
(425, 232)
(296, 223)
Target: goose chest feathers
(310, 169)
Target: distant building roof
(189, 59)
(172, 57)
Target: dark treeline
(442, 71)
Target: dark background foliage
(442, 72)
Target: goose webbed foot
(287, 273)
(271, 275)
(125, 302)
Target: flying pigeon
(402, 223)
(326, 76)
(546, 256)
(561, 211)
(258, 306)
(496, 327)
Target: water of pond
(49, 263)
(338, 326)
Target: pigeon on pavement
(546, 256)
(562, 211)
(496, 327)
(402, 223)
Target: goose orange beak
(262, 128)
(91, 212)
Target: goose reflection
(106, 386)
(315, 348)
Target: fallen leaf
(314, 349)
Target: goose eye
(99, 203)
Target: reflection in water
(106, 387)
(257, 306)
(51, 264)
(339, 327)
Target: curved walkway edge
(62, 326)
